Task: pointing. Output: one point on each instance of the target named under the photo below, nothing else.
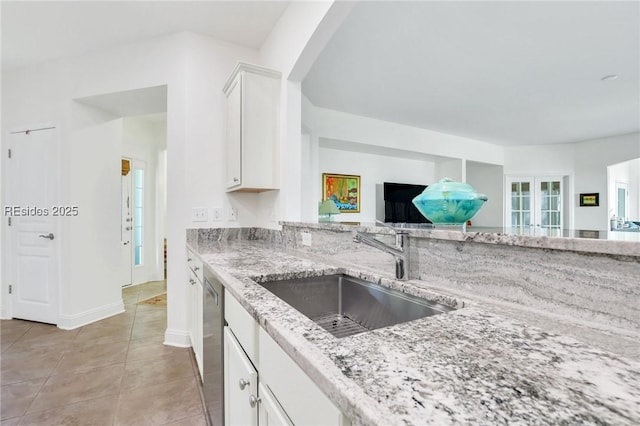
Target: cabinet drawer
(300, 398)
(193, 278)
(244, 327)
(195, 264)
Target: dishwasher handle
(212, 292)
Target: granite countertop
(603, 242)
(471, 365)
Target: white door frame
(9, 269)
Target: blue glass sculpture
(449, 202)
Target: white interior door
(126, 227)
(32, 189)
(535, 202)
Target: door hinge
(10, 288)
(9, 153)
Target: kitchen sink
(345, 305)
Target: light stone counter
(592, 296)
(609, 243)
(472, 365)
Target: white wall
(90, 261)
(626, 172)
(291, 48)
(585, 161)
(424, 156)
(339, 125)
(592, 159)
(451, 168)
(194, 68)
(489, 180)
(373, 170)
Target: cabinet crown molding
(256, 69)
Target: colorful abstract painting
(344, 190)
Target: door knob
(50, 236)
(243, 384)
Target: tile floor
(112, 372)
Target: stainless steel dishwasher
(212, 348)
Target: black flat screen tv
(398, 207)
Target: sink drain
(339, 325)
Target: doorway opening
(141, 118)
(624, 194)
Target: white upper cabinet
(253, 122)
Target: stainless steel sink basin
(345, 305)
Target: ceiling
(34, 32)
(510, 73)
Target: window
(520, 204)
(138, 217)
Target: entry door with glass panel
(534, 201)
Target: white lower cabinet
(263, 385)
(271, 413)
(196, 322)
(240, 384)
(195, 294)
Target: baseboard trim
(70, 322)
(177, 338)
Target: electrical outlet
(216, 214)
(233, 214)
(306, 238)
(199, 214)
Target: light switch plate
(306, 238)
(233, 214)
(216, 214)
(199, 214)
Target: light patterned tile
(159, 404)
(66, 389)
(151, 347)
(92, 356)
(145, 372)
(94, 412)
(17, 397)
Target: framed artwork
(344, 190)
(590, 200)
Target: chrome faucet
(400, 252)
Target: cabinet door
(234, 134)
(271, 413)
(240, 384)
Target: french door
(534, 202)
